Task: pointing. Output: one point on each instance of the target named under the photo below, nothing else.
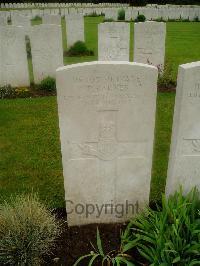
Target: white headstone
(3, 21)
(184, 162)
(47, 51)
(113, 41)
(13, 57)
(51, 19)
(149, 43)
(74, 28)
(20, 20)
(111, 13)
(106, 117)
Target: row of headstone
(163, 12)
(107, 167)
(151, 13)
(54, 5)
(46, 50)
(113, 43)
(149, 42)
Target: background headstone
(13, 57)
(20, 20)
(149, 43)
(184, 161)
(113, 41)
(3, 21)
(111, 161)
(51, 19)
(47, 51)
(74, 28)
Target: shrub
(165, 78)
(168, 236)
(140, 18)
(48, 84)
(196, 19)
(27, 231)
(114, 258)
(7, 92)
(121, 14)
(79, 49)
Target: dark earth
(75, 242)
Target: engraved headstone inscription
(106, 150)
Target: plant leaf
(99, 244)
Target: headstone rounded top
(105, 63)
(190, 65)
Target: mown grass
(164, 118)
(30, 148)
(182, 44)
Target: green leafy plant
(166, 78)
(140, 18)
(78, 49)
(7, 92)
(27, 231)
(113, 258)
(48, 84)
(121, 14)
(168, 236)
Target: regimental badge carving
(195, 144)
(107, 147)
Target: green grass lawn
(30, 158)
(182, 44)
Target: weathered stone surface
(13, 57)
(20, 20)
(74, 28)
(51, 19)
(3, 21)
(113, 41)
(47, 51)
(149, 43)
(184, 162)
(106, 118)
(111, 13)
